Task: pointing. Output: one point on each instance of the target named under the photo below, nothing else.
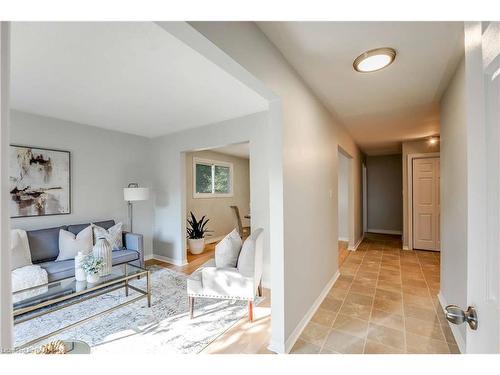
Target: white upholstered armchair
(240, 283)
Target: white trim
(6, 320)
(344, 239)
(290, 342)
(213, 164)
(385, 231)
(162, 258)
(365, 198)
(405, 247)
(355, 247)
(409, 184)
(454, 328)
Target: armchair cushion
(214, 282)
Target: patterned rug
(163, 328)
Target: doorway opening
(344, 197)
(218, 190)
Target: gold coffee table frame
(99, 289)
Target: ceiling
(241, 150)
(379, 109)
(132, 77)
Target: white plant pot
(92, 278)
(196, 246)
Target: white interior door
(426, 204)
(482, 81)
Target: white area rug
(163, 328)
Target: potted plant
(92, 266)
(196, 233)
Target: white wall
(384, 193)
(170, 181)
(103, 162)
(454, 193)
(217, 209)
(311, 137)
(343, 195)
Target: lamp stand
(130, 214)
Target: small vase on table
(102, 249)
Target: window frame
(213, 164)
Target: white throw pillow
(113, 235)
(228, 250)
(70, 245)
(20, 249)
(28, 277)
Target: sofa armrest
(135, 241)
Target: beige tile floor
(383, 302)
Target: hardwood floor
(343, 252)
(244, 337)
(194, 261)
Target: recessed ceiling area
(383, 108)
(241, 150)
(132, 77)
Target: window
(212, 179)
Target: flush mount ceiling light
(373, 60)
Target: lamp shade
(135, 194)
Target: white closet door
(426, 204)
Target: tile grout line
(433, 306)
(343, 300)
(403, 302)
(373, 304)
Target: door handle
(456, 315)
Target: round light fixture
(373, 60)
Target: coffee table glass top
(68, 288)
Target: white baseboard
(355, 247)
(384, 231)
(276, 348)
(454, 328)
(162, 258)
(405, 247)
(290, 342)
(344, 239)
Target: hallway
(385, 301)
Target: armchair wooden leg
(250, 311)
(191, 307)
(259, 289)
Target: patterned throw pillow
(113, 235)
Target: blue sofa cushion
(59, 270)
(44, 244)
(66, 268)
(77, 228)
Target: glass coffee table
(37, 301)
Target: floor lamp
(133, 193)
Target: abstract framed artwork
(40, 181)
